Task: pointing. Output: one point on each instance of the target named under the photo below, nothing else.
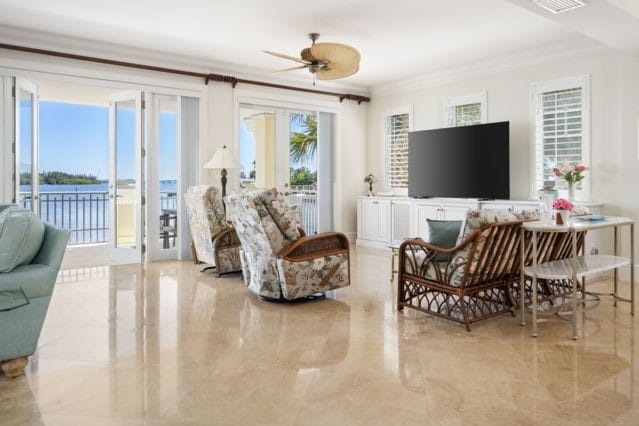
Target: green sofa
(25, 290)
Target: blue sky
(74, 138)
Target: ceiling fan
(326, 61)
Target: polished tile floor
(166, 344)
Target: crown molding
(541, 55)
(80, 46)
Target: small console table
(578, 266)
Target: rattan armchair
(474, 283)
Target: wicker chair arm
(315, 246)
(226, 238)
(432, 247)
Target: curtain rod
(207, 77)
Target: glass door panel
(26, 110)
(303, 167)
(125, 178)
(162, 161)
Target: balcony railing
(85, 214)
(305, 198)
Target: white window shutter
(396, 128)
(559, 133)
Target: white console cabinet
(374, 219)
(382, 220)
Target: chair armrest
(226, 238)
(315, 246)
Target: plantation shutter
(559, 133)
(464, 115)
(396, 147)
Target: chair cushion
(285, 220)
(444, 234)
(21, 235)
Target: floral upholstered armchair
(278, 261)
(214, 241)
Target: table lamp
(224, 158)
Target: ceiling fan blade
(336, 52)
(291, 58)
(292, 68)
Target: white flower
(318, 264)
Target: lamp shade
(224, 158)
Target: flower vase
(370, 189)
(571, 191)
(561, 217)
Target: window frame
(472, 98)
(398, 110)
(564, 83)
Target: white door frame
(31, 88)
(155, 251)
(133, 254)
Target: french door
(290, 149)
(25, 114)
(126, 198)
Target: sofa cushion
(285, 219)
(21, 235)
(444, 234)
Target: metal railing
(85, 214)
(305, 197)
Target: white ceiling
(397, 38)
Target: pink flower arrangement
(562, 204)
(570, 173)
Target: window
(465, 110)
(561, 123)
(397, 124)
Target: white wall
(614, 100)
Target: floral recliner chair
(278, 261)
(214, 241)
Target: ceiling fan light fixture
(326, 61)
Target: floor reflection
(165, 343)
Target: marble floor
(165, 344)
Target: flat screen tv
(460, 162)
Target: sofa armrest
(34, 279)
(53, 247)
(315, 246)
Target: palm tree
(304, 143)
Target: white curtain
(325, 183)
(190, 136)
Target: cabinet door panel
(423, 212)
(400, 220)
(455, 213)
(383, 221)
(369, 220)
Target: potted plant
(562, 209)
(571, 173)
(370, 180)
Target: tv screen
(464, 162)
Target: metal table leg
(534, 284)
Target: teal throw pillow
(443, 233)
(21, 235)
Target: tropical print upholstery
(215, 241)
(266, 228)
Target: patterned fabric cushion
(477, 219)
(313, 276)
(205, 212)
(285, 220)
